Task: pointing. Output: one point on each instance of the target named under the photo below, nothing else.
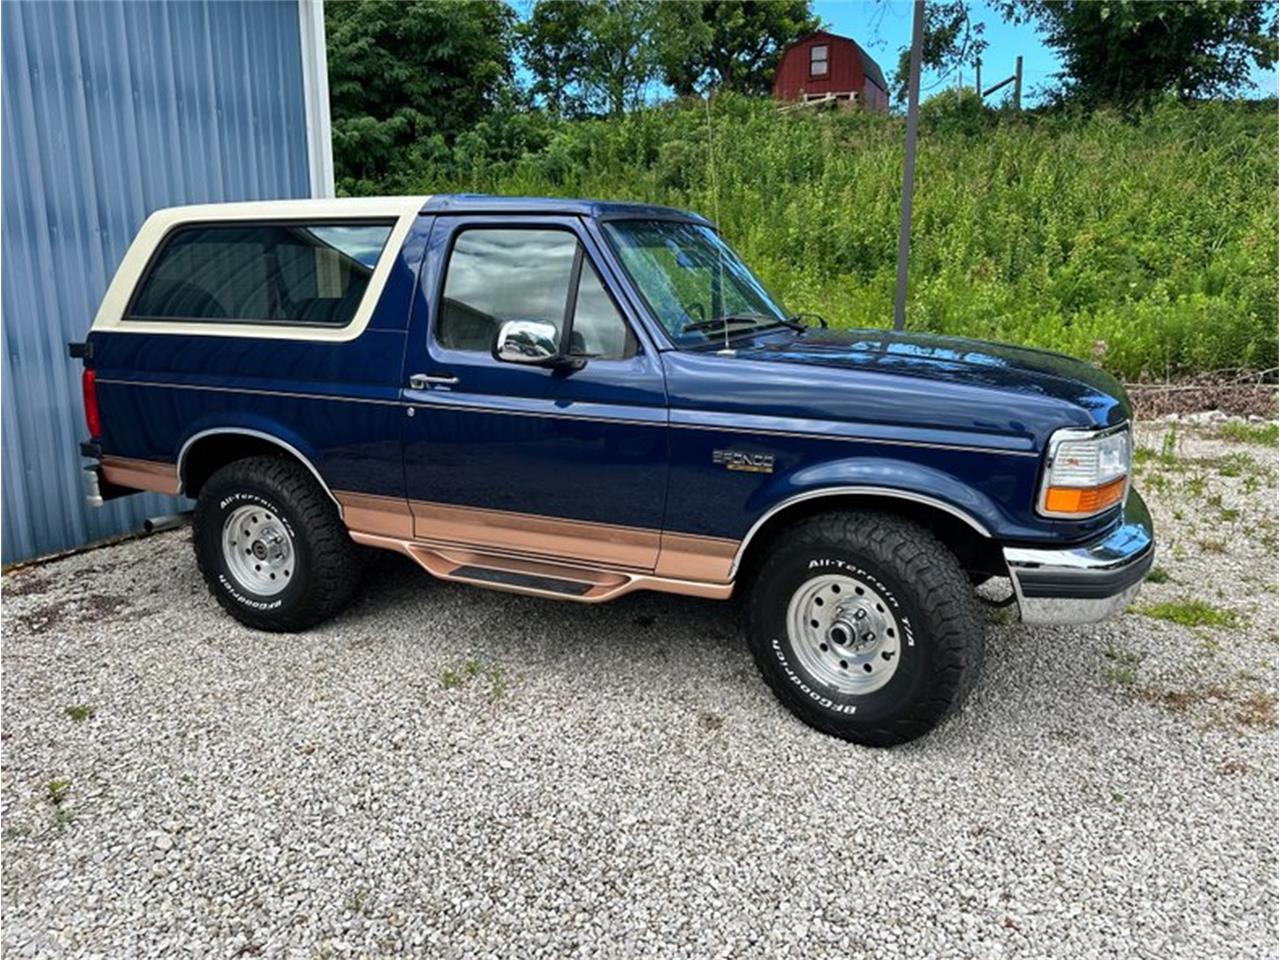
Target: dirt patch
(44, 619)
(28, 584)
(1256, 709)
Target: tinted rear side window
(308, 274)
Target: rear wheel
(271, 545)
(865, 627)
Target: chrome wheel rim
(258, 550)
(844, 634)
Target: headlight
(1087, 472)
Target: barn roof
(870, 68)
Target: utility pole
(909, 165)
(1017, 84)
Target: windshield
(695, 284)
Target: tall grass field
(1146, 245)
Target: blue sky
(884, 27)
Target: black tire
(325, 563)
(938, 626)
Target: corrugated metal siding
(111, 110)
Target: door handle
(420, 381)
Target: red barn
(824, 65)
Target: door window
(500, 274)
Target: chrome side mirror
(531, 342)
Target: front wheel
(271, 545)
(865, 627)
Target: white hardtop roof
(268, 209)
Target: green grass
(1192, 613)
(1263, 434)
(1158, 574)
(1148, 246)
(56, 791)
(80, 712)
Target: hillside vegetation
(1149, 246)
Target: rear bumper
(1086, 583)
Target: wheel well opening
(210, 454)
(976, 553)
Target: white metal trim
(110, 317)
(245, 431)
(850, 491)
(315, 95)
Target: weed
(16, 832)
(1122, 670)
(1169, 446)
(79, 713)
(1122, 675)
(1158, 574)
(56, 791)
(498, 684)
(1191, 613)
(1238, 431)
(1236, 465)
(1213, 546)
(1195, 485)
(357, 900)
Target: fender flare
(846, 491)
(260, 435)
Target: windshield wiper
(754, 321)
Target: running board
(535, 576)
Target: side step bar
(537, 577)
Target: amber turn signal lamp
(1084, 500)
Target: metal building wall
(110, 110)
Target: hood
(957, 360)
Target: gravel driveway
(451, 772)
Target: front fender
(881, 476)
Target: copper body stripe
(155, 476)
(677, 555)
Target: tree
(590, 56)
(399, 72)
(728, 44)
(951, 40)
(1129, 53)
(552, 45)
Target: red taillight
(92, 418)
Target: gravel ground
(449, 772)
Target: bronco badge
(749, 462)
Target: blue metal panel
(110, 111)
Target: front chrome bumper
(1085, 583)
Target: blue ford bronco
(577, 399)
